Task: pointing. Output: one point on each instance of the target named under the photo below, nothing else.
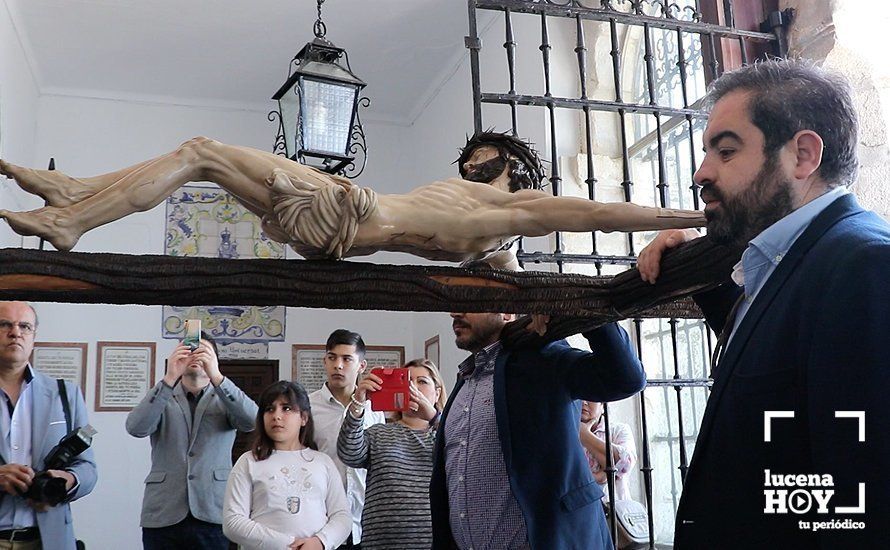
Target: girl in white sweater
(283, 494)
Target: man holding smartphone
(344, 361)
(191, 416)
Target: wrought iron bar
(626, 182)
(562, 257)
(596, 14)
(590, 180)
(555, 178)
(690, 372)
(684, 463)
(646, 463)
(545, 54)
(610, 475)
(596, 104)
(682, 65)
(510, 47)
(662, 185)
(744, 51)
(474, 44)
(715, 65)
(665, 390)
(680, 382)
(581, 52)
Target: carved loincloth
(324, 217)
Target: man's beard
(741, 218)
(487, 171)
(477, 336)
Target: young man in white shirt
(344, 361)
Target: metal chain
(319, 26)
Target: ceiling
(235, 53)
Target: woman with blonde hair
(399, 460)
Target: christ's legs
(58, 188)
(242, 171)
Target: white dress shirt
(15, 446)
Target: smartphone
(394, 393)
(192, 333)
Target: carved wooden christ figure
(327, 216)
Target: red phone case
(394, 393)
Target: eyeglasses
(25, 328)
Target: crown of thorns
(530, 165)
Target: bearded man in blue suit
(509, 470)
(798, 407)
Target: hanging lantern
(318, 108)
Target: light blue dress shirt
(15, 446)
(767, 249)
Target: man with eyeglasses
(32, 421)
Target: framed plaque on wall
(65, 360)
(124, 374)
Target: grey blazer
(48, 427)
(189, 464)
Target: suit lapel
(42, 400)
(206, 399)
(841, 208)
(182, 401)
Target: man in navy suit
(793, 450)
(508, 470)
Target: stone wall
(844, 35)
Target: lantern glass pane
(289, 104)
(327, 115)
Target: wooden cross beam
(72, 277)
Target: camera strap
(63, 395)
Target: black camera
(52, 490)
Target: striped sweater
(399, 461)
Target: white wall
(18, 113)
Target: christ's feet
(49, 223)
(56, 188)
